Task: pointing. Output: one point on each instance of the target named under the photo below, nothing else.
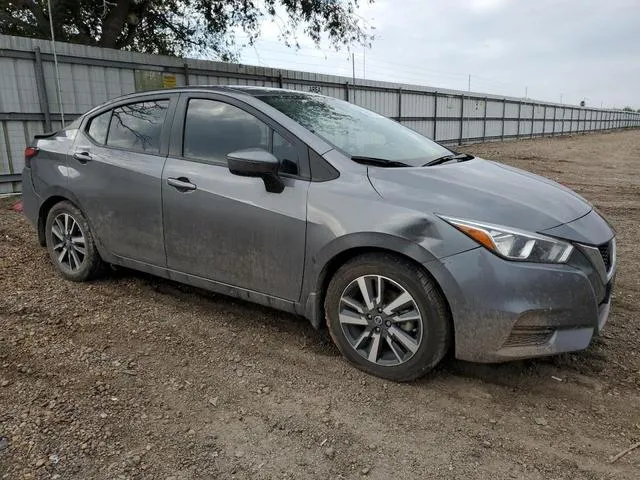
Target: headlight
(514, 244)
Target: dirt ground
(136, 377)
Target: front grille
(605, 251)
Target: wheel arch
(54, 196)
(43, 212)
(345, 249)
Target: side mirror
(256, 162)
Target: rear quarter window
(98, 127)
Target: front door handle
(182, 184)
(83, 157)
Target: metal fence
(89, 76)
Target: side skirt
(206, 284)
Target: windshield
(356, 131)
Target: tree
(179, 27)
(627, 109)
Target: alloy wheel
(69, 246)
(380, 320)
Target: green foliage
(628, 109)
(179, 27)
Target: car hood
(483, 191)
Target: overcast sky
(580, 49)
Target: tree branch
(113, 23)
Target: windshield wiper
(378, 162)
(460, 157)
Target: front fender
(330, 256)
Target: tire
(74, 265)
(413, 347)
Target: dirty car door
(115, 171)
(224, 227)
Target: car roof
(254, 91)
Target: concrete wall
(89, 76)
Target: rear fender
(50, 197)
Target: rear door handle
(83, 157)
(182, 184)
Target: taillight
(29, 153)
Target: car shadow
(509, 374)
(316, 341)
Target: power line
(336, 63)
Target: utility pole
(526, 92)
(364, 56)
(55, 63)
(353, 66)
(469, 82)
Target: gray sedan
(399, 246)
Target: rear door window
(138, 126)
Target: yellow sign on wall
(168, 80)
(151, 80)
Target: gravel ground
(137, 377)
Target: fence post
(571, 121)
(280, 82)
(400, 105)
(484, 119)
(186, 73)
(533, 115)
(346, 91)
(435, 114)
(42, 90)
(579, 120)
(586, 124)
(519, 116)
(461, 118)
(553, 129)
(579, 112)
(504, 112)
(544, 120)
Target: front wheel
(387, 317)
(70, 243)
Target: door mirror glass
(256, 162)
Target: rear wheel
(70, 243)
(387, 317)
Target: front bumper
(504, 310)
